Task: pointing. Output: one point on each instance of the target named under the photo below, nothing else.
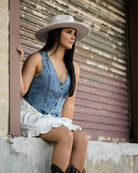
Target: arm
(68, 107)
(31, 67)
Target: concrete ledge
(33, 155)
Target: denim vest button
(52, 110)
(61, 86)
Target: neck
(58, 55)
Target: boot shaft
(72, 169)
(56, 169)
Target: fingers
(20, 50)
(21, 53)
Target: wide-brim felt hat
(63, 21)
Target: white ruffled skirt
(33, 123)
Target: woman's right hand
(21, 53)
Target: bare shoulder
(77, 69)
(34, 58)
(33, 63)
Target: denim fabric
(47, 93)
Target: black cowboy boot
(56, 169)
(68, 170)
(83, 170)
(74, 170)
(71, 169)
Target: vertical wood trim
(133, 40)
(14, 125)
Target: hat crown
(62, 19)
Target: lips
(71, 42)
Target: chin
(69, 47)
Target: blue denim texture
(47, 93)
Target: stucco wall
(33, 155)
(4, 67)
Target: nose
(73, 37)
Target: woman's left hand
(21, 53)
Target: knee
(80, 139)
(66, 136)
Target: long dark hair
(54, 36)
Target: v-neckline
(56, 71)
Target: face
(68, 36)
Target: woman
(48, 86)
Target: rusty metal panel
(102, 100)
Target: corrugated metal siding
(102, 101)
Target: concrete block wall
(4, 66)
(33, 155)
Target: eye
(71, 32)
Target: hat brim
(82, 30)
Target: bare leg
(80, 142)
(63, 139)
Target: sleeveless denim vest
(47, 93)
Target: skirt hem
(33, 123)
